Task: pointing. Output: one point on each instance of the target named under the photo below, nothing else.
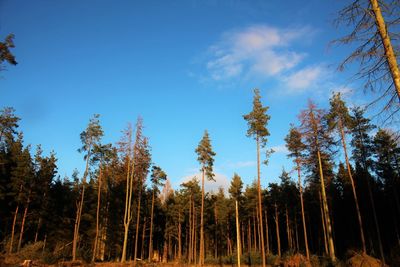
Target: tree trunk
(371, 198)
(266, 230)
(179, 237)
(289, 238)
(190, 254)
(143, 237)
(202, 220)
(278, 239)
(97, 217)
(237, 233)
(21, 232)
(260, 203)
(302, 209)
(387, 45)
(80, 207)
(128, 202)
(137, 225)
(326, 210)
(353, 187)
(151, 228)
(13, 230)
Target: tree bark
(353, 187)
(260, 203)
(387, 45)
(278, 239)
(13, 230)
(151, 228)
(237, 233)
(302, 209)
(21, 232)
(80, 207)
(202, 220)
(97, 217)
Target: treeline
(342, 195)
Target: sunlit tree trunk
(151, 228)
(260, 203)
(128, 202)
(387, 45)
(80, 207)
(302, 209)
(21, 233)
(202, 220)
(97, 216)
(278, 239)
(266, 231)
(323, 225)
(137, 225)
(353, 187)
(13, 230)
(237, 233)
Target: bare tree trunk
(202, 220)
(128, 203)
(289, 238)
(137, 225)
(190, 256)
(260, 203)
(13, 230)
(97, 216)
(37, 229)
(237, 233)
(326, 211)
(21, 232)
(302, 209)
(266, 230)
(151, 228)
(254, 233)
(143, 238)
(387, 45)
(80, 207)
(248, 237)
(323, 225)
(371, 198)
(195, 235)
(179, 237)
(353, 187)
(278, 239)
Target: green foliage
(257, 120)
(205, 156)
(236, 187)
(338, 116)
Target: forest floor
(297, 260)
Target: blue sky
(184, 66)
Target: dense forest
(341, 198)
(122, 207)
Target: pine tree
(206, 159)
(236, 192)
(296, 149)
(158, 176)
(89, 138)
(372, 21)
(317, 139)
(340, 119)
(257, 121)
(362, 153)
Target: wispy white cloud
(221, 180)
(280, 149)
(259, 50)
(303, 79)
